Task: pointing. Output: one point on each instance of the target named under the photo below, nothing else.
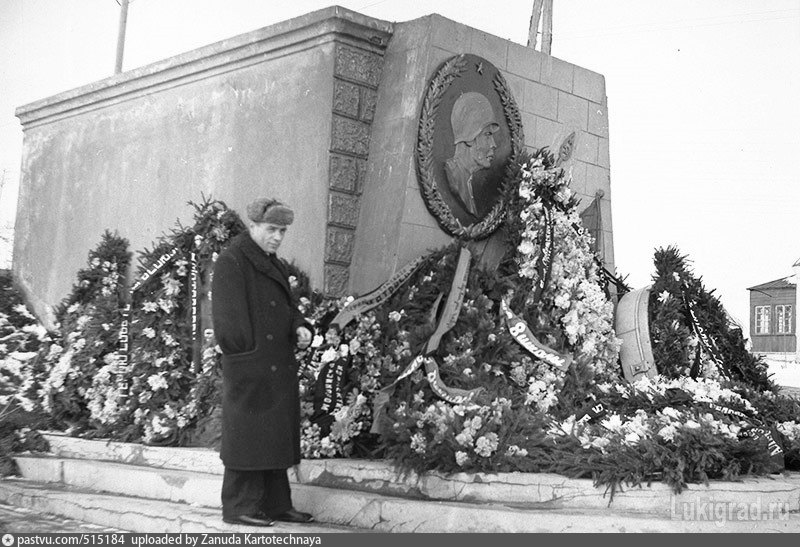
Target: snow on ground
(785, 370)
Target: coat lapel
(264, 263)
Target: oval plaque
(469, 134)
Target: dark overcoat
(254, 324)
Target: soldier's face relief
(483, 147)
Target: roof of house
(782, 283)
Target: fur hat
(270, 210)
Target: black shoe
(250, 520)
(293, 515)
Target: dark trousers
(252, 492)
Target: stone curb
(133, 514)
(532, 490)
(357, 510)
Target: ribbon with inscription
(376, 297)
(125, 341)
(705, 342)
(329, 393)
(769, 436)
(520, 332)
(193, 280)
(545, 263)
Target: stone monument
(323, 111)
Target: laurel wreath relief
(449, 71)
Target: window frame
(760, 328)
(781, 319)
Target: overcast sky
(703, 95)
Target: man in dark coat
(257, 326)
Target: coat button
(272, 303)
(269, 337)
(273, 368)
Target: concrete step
(132, 514)
(188, 497)
(528, 490)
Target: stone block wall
(555, 99)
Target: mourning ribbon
(125, 341)
(376, 297)
(447, 321)
(520, 331)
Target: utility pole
(542, 13)
(123, 21)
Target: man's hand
(303, 337)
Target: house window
(762, 319)
(783, 319)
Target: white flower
(671, 413)
(613, 423)
(632, 438)
(157, 382)
(514, 450)
(317, 341)
(667, 432)
(395, 316)
(418, 443)
(149, 332)
(329, 355)
(150, 307)
(486, 444)
(461, 458)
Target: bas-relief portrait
(473, 123)
(465, 144)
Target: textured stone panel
(548, 133)
(517, 87)
(603, 155)
(345, 98)
(557, 73)
(369, 101)
(350, 136)
(529, 128)
(347, 173)
(448, 35)
(598, 120)
(343, 210)
(578, 170)
(597, 178)
(336, 279)
(573, 110)
(358, 65)
(589, 85)
(525, 61)
(541, 100)
(586, 147)
(339, 246)
(490, 47)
